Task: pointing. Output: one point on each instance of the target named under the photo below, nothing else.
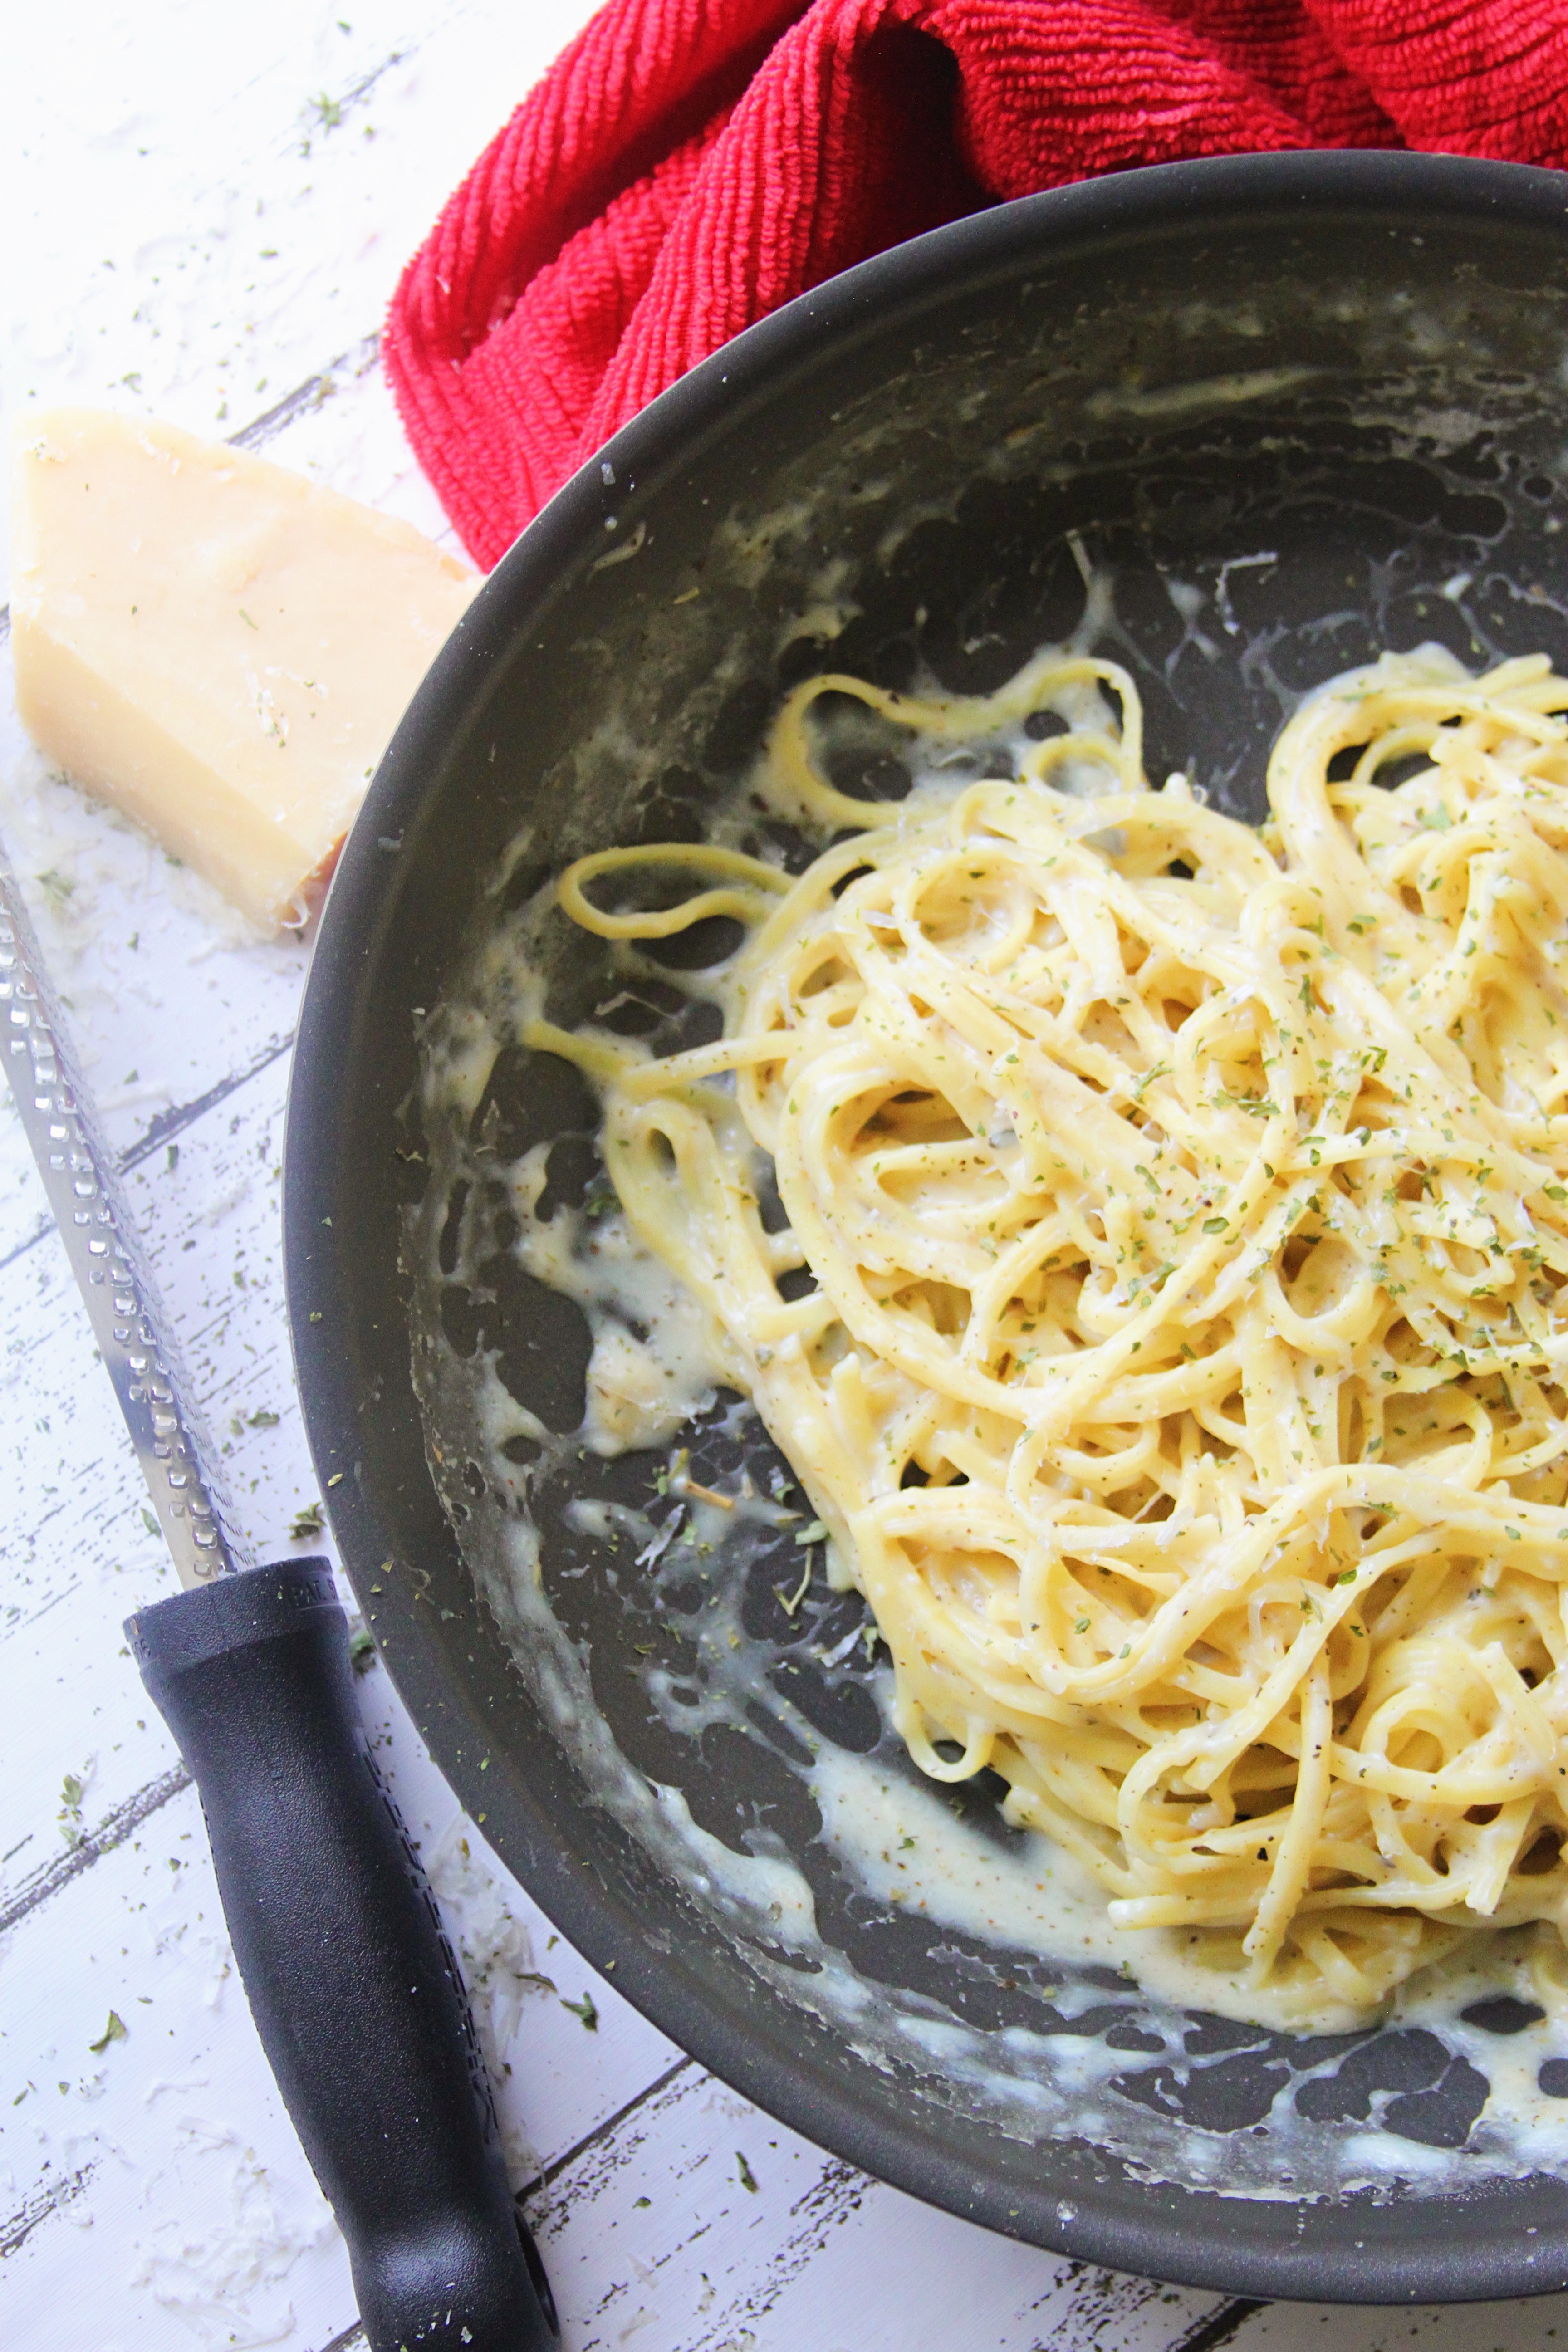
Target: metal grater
(101, 1239)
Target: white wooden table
(205, 211)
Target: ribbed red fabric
(687, 165)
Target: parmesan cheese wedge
(218, 647)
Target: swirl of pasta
(1183, 1375)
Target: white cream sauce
(893, 1838)
(896, 1841)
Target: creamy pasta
(1167, 1316)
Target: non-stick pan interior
(1241, 425)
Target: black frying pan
(1351, 364)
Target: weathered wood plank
(201, 218)
(169, 2146)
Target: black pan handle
(355, 1991)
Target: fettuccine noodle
(1183, 1379)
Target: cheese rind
(216, 646)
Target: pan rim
(1204, 2244)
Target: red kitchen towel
(687, 165)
